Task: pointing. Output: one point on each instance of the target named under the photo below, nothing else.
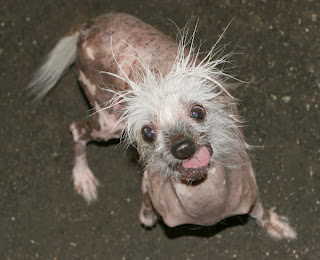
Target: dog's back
(121, 44)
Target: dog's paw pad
(278, 227)
(86, 184)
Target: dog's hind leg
(276, 225)
(101, 126)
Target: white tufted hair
(164, 101)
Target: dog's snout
(183, 148)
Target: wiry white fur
(164, 101)
(58, 60)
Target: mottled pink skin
(127, 39)
(221, 194)
(104, 42)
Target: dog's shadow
(203, 231)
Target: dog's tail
(57, 62)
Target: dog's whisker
(174, 107)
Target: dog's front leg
(276, 225)
(102, 126)
(147, 216)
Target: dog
(175, 108)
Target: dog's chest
(222, 194)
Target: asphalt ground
(42, 217)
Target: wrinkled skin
(220, 193)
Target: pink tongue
(199, 160)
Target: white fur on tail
(58, 60)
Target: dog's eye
(148, 133)
(197, 112)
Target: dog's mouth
(196, 167)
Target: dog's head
(184, 122)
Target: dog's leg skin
(84, 181)
(147, 216)
(94, 129)
(276, 225)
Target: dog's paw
(85, 183)
(148, 218)
(278, 227)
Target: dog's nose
(183, 148)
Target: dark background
(41, 216)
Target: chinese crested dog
(175, 108)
